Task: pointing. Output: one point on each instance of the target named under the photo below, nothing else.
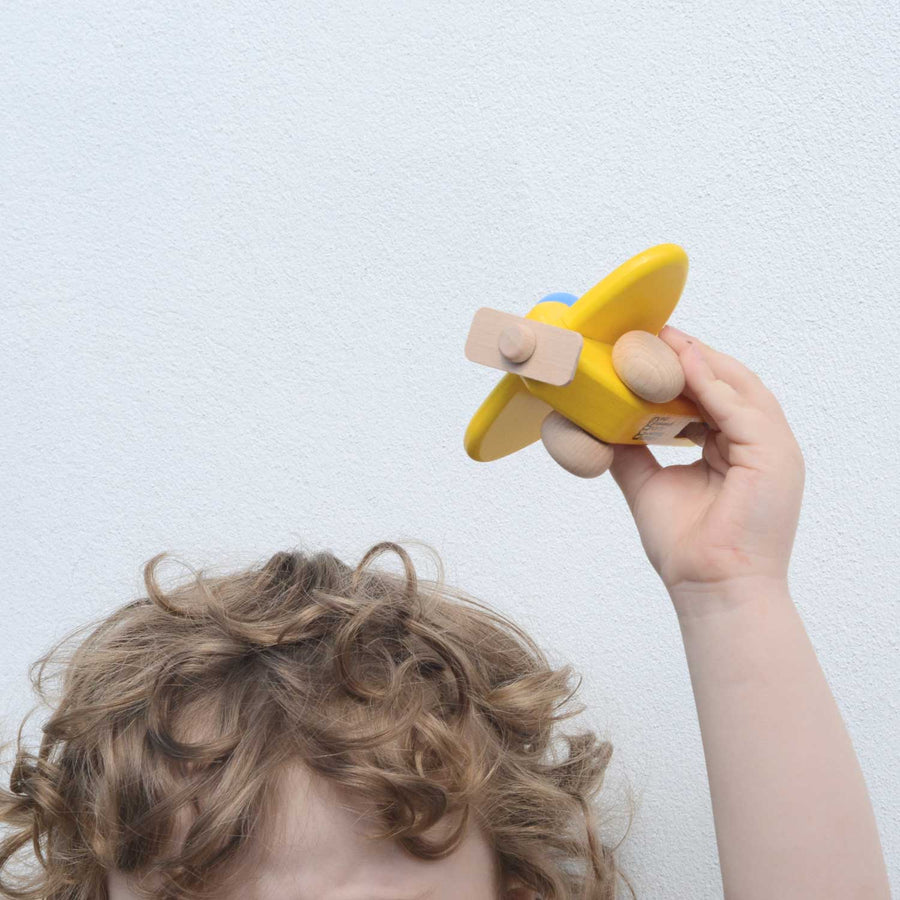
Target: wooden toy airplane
(584, 373)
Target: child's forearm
(792, 813)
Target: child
(308, 731)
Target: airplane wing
(508, 420)
(639, 295)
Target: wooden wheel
(573, 448)
(648, 366)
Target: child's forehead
(311, 811)
(320, 846)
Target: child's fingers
(731, 413)
(704, 413)
(716, 452)
(728, 369)
(724, 366)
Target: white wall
(241, 247)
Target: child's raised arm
(792, 814)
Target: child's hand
(730, 517)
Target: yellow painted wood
(639, 295)
(508, 420)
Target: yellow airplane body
(639, 295)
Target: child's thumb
(632, 465)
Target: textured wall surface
(241, 250)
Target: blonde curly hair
(417, 699)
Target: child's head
(248, 735)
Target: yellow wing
(508, 420)
(639, 295)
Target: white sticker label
(661, 429)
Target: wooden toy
(649, 366)
(584, 373)
(573, 448)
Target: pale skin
(791, 809)
(321, 850)
(792, 813)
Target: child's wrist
(695, 602)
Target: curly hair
(414, 697)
